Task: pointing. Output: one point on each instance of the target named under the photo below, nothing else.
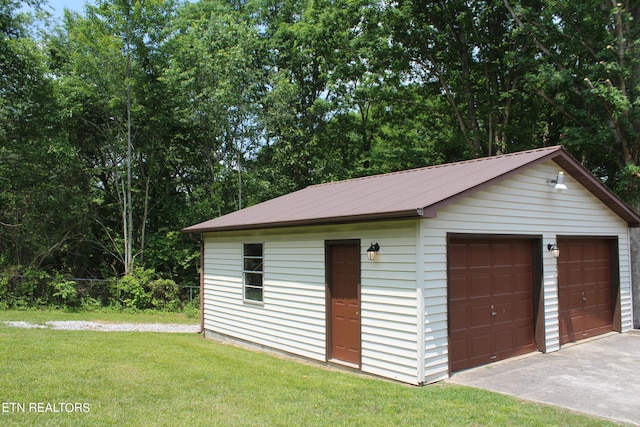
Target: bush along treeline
(141, 290)
(125, 122)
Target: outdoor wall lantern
(558, 183)
(372, 251)
(553, 249)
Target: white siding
(293, 316)
(527, 205)
(389, 308)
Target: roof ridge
(442, 165)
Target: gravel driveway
(81, 325)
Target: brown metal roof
(407, 194)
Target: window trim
(245, 272)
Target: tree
(107, 68)
(41, 194)
(215, 80)
(472, 53)
(307, 43)
(589, 74)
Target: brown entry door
(344, 302)
(490, 300)
(584, 288)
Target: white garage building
(476, 261)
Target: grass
(152, 379)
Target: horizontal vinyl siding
(293, 315)
(389, 305)
(524, 205)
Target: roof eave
(349, 219)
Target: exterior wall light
(554, 249)
(558, 183)
(372, 251)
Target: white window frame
(255, 267)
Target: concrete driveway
(600, 377)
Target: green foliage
(192, 310)
(174, 255)
(587, 71)
(66, 291)
(132, 120)
(144, 290)
(4, 285)
(628, 186)
(26, 290)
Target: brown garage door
(490, 300)
(584, 288)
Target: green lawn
(153, 379)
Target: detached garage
(415, 275)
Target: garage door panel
(503, 341)
(502, 255)
(502, 284)
(602, 274)
(498, 321)
(575, 277)
(459, 319)
(584, 288)
(523, 336)
(522, 282)
(603, 297)
(503, 312)
(478, 257)
(590, 297)
(480, 346)
(461, 348)
(458, 288)
(479, 286)
(523, 310)
(575, 299)
(480, 316)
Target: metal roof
(411, 193)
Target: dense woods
(125, 123)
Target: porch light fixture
(551, 247)
(372, 251)
(558, 183)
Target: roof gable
(406, 194)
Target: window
(252, 271)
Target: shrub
(141, 290)
(24, 290)
(4, 286)
(192, 309)
(164, 294)
(144, 290)
(66, 291)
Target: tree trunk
(128, 213)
